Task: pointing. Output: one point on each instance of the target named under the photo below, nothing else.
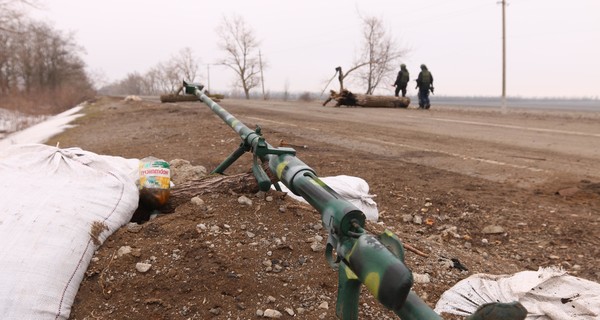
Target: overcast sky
(553, 47)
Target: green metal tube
(230, 160)
(336, 213)
(416, 309)
(363, 257)
(245, 133)
(384, 275)
(346, 306)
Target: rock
(134, 227)
(270, 313)
(123, 251)
(183, 171)
(324, 305)
(417, 219)
(492, 229)
(421, 278)
(522, 224)
(568, 191)
(132, 98)
(290, 311)
(451, 231)
(245, 201)
(197, 201)
(316, 247)
(143, 267)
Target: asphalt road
(525, 147)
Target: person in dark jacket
(401, 80)
(425, 84)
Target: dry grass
(45, 102)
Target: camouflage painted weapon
(361, 258)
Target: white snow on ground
(12, 121)
(41, 132)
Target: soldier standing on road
(425, 84)
(401, 80)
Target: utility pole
(503, 55)
(208, 76)
(262, 80)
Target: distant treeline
(41, 71)
(164, 77)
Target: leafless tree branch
(240, 44)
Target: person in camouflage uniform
(401, 80)
(425, 84)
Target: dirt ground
(440, 178)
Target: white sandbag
(547, 294)
(58, 207)
(353, 189)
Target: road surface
(525, 147)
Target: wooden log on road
(347, 98)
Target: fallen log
(347, 98)
(187, 97)
(243, 183)
(177, 97)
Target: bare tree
(42, 66)
(241, 45)
(187, 67)
(133, 84)
(11, 12)
(163, 78)
(152, 82)
(379, 53)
